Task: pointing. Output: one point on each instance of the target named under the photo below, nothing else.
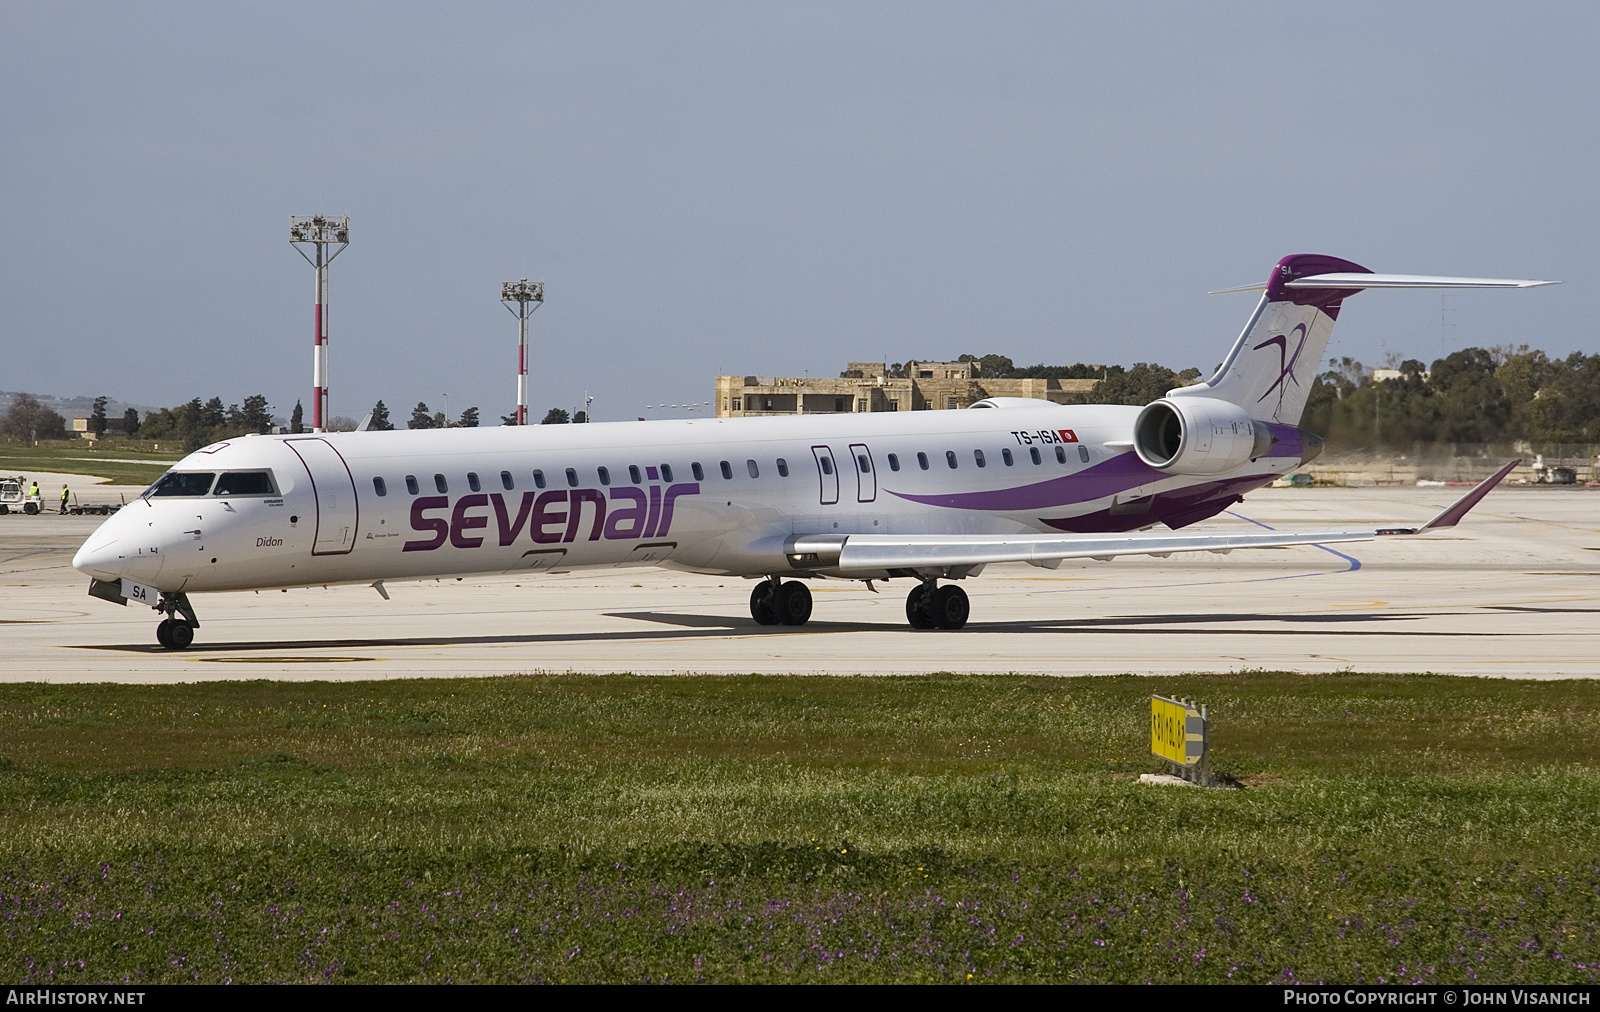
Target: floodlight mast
(321, 231)
(526, 297)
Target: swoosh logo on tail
(1286, 362)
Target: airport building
(117, 426)
(870, 386)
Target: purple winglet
(1453, 513)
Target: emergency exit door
(827, 475)
(866, 474)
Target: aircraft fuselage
(720, 496)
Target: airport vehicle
(927, 496)
(10, 494)
(14, 495)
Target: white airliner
(926, 496)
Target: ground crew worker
(64, 496)
(33, 490)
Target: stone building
(867, 386)
(117, 426)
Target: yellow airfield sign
(1177, 730)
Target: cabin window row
(952, 459)
(636, 475)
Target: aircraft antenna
(321, 231)
(522, 299)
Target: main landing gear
(775, 603)
(176, 631)
(929, 606)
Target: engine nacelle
(1198, 435)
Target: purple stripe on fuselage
(1176, 509)
(1114, 476)
(1120, 473)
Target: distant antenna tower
(1447, 323)
(321, 231)
(522, 299)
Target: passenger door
(337, 512)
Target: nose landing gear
(773, 603)
(173, 632)
(929, 606)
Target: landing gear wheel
(180, 635)
(917, 611)
(761, 606)
(163, 632)
(950, 607)
(793, 603)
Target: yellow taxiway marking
(282, 660)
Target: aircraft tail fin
(1271, 367)
(1273, 363)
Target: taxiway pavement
(1514, 591)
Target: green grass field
(111, 461)
(942, 828)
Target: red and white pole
(521, 299)
(319, 361)
(319, 230)
(522, 364)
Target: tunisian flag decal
(1067, 435)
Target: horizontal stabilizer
(1391, 281)
(1407, 281)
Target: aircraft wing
(861, 553)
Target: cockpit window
(246, 483)
(182, 483)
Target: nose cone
(105, 556)
(132, 545)
(99, 556)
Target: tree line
(423, 417)
(194, 424)
(28, 420)
(1475, 395)
(1140, 383)
(198, 422)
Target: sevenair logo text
(557, 516)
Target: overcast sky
(766, 188)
